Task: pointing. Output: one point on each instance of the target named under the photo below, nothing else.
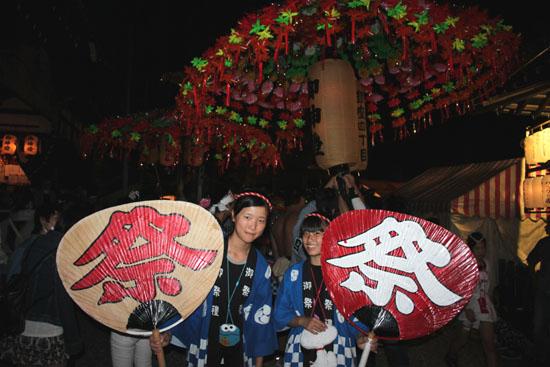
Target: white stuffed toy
(318, 341)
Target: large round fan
(134, 266)
(401, 276)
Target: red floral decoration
(245, 98)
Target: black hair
(326, 201)
(247, 201)
(313, 224)
(474, 238)
(45, 211)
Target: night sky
(113, 57)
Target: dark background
(115, 57)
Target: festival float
(248, 99)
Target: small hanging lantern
(31, 145)
(9, 144)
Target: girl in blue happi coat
(304, 304)
(233, 327)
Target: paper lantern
(538, 153)
(31, 145)
(545, 189)
(529, 147)
(361, 163)
(166, 155)
(533, 192)
(9, 144)
(528, 195)
(335, 131)
(545, 145)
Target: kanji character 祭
(140, 249)
(415, 273)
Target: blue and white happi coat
(259, 337)
(289, 303)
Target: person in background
(479, 312)
(237, 330)
(541, 305)
(339, 195)
(303, 303)
(51, 334)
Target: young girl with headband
(304, 304)
(237, 329)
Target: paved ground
(423, 352)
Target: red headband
(258, 195)
(318, 216)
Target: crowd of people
(270, 297)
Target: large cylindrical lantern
(361, 163)
(31, 145)
(9, 144)
(334, 113)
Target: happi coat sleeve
(259, 338)
(289, 304)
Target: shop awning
(475, 189)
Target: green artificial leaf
(235, 38)
(221, 110)
(262, 145)
(218, 156)
(208, 110)
(220, 52)
(399, 12)
(322, 27)
(285, 17)
(459, 44)
(487, 28)
(252, 142)
(398, 112)
(265, 34)
(441, 28)
(228, 63)
(449, 87)
(93, 128)
(252, 120)
(451, 21)
(479, 40)
(235, 117)
(417, 104)
(257, 27)
(263, 123)
(374, 116)
(427, 98)
(300, 123)
(282, 124)
(135, 136)
(199, 63)
(116, 134)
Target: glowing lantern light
(534, 193)
(31, 145)
(529, 147)
(9, 144)
(334, 117)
